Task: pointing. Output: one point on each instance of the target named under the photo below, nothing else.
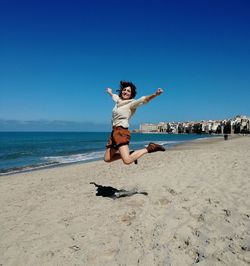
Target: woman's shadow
(111, 192)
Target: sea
(24, 151)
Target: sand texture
(197, 211)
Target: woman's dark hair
(125, 84)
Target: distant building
(144, 128)
(239, 124)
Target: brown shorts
(119, 136)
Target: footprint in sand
(75, 248)
(163, 202)
(170, 190)
(127, 218)
(227, 212)
(201, 218)
(110, 253)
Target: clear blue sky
(58, 57)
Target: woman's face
(126, 93)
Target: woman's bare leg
(128, 157)
(111, 155)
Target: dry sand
(197, 210)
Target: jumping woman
(125, 107)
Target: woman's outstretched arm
(109, 91)
(114, 96)
(150, 97)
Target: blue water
(29, 150)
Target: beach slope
(197, 210)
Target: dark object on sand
(225, 137)
(114, 193)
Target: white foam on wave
(75, 157)
(95, 155)
(163, 143)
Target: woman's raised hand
(109, 91)
(159, 91)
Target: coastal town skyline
(238, 124)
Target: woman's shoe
(153, 147)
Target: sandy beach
(197, 210)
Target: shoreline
(27, 169)
(38, 168)
(197, 210)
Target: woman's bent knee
(106, 160)
(127, 161)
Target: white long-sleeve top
(124, 110)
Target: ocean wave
(51, 161)
(168, 143)
(26, 168)
(81, 157)
(38, 150)
(164, 143)
(14, 155)
(74, 158)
